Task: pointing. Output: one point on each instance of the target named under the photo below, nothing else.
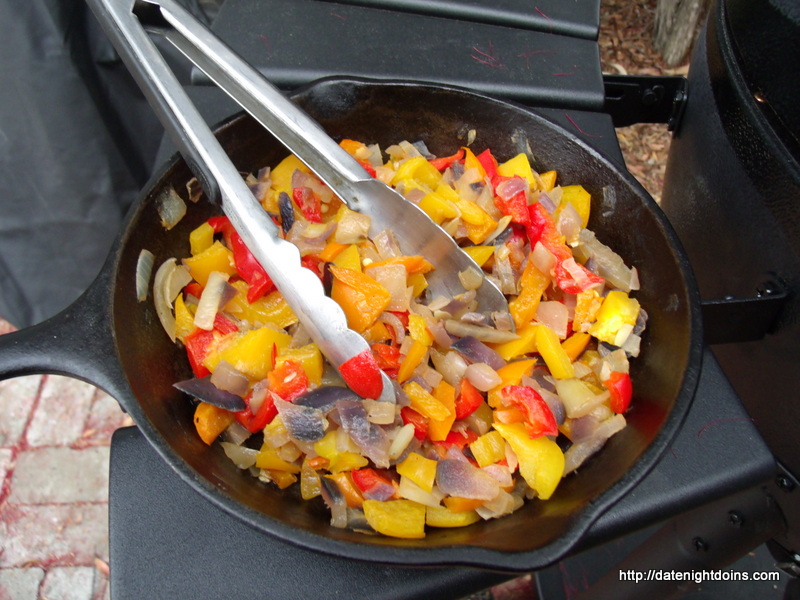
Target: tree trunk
(676, 27)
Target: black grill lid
(766, 37)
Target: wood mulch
(626, 47)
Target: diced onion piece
(352, 227)
(401, 440)
(242, 457)
(482, 376)
(171, 208)
(555, 315)
(380, 413)
(483, 334)
(210, 300)
(229, 379)
(411, 491)
(144, 269)
(471, 278)
(165, 289)
(569, 223)
(460, 478)
(451, 365)
(542, 258)
(577, 454)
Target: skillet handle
(77, 342)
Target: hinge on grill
(631, 99)
(735, 320)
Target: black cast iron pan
(109, 339)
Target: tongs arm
(321, 316)
(303, 136)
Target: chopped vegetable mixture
(491, 409)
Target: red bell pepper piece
(368, 168)
(445, 161)
(516, 207)
(572, 277)
(388, 358)
(420, 422)
(197, 343)
(362, 375)
(488, 162)
(313, 264)
(539, 419)
(250, 269)
(621, 389)
(288, 380)
(460, 439)
(468, 399)
(308, 203)
(262, 417)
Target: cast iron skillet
(109, 339)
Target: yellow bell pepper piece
(268, 459)
(518, 166)
(580, 199)
(441, 516)
(457, 504)
(418, 469)
(281, 175)
(418, 329)
(478, 223)
(249, 352)
(340, 460)
(533, 283)
(439, 209)
(480, 254)
(283, 479)
(361, 297)
(331, 251)
(618, 309)
(541, 461)
(439, 428)
(201, 238)
(417, 283)
(489, 448)
(210, 421)
(271, 309)
(309, 357)
(396, 518)
(587, 304)
(575, 344)
(524, 344)
(556, 359)
(214, 258)
(424, 403)
(411, 361)
(417, 168)
(548, 179)
(471, 162)
(184, 319)
(510, 374)
(349, 258)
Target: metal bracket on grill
(735, 320)
(631, 99)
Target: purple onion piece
(477, 352)
(324, 398)
(460, 478)
(303, 423)
(203, 389)
(330, 492)
(286, 210)
(370, 438)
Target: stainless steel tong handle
(387, 209)
(323, 318)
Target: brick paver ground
(55, 436)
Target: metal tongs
(126, 22)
